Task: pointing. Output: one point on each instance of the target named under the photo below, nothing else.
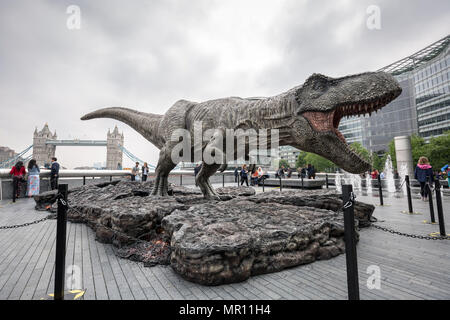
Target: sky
(148, 54)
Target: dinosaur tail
(146, 124)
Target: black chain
(59, 198)
(24, 224)
(416, 236)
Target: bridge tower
(43, 152)
(114, 155)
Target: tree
(283, 162)
(320, 163)
(359, 149)
(438, 151)
(377, 161)
(301, 162)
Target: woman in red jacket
(18, 173)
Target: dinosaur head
(324, 101)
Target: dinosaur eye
(319, 85)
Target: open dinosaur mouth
(329, 121)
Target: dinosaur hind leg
(202, 180)
(165, 165)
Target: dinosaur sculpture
(306, 116)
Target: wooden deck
(410, 268)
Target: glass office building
(422, 108)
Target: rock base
(212, 242)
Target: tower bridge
(45, 143)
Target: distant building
(42, 151)
(114, 154)
(6, 153)
(290, 154)
(423, 107)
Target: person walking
(422, 173)
(18, 173)
(144, 171)
(33, 179)
(54, 174)
(135, 172)
(244, 175)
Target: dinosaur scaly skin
(306, 116)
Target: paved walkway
(410, 268)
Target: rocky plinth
(216, 243)
(212, 242)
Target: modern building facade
(288, 153)
(423, 107)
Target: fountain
(389, 175)
(403, 172)
(369, 184)
(337, 182)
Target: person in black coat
(422, 173)
(54, 174)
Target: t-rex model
(306, 116)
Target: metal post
(60, 260)
(430, 198)
(408, 192)
(223, 179)
(264, 182)
(380, 190)
(181, 179)
(350, 243)
(239, 179)
(110, 178)
(437, 187)
(302, 181)
(84, 180)
(281, 185)
(326, 180)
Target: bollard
(380, 191)
(264, 182)
(430, 200)
(181, 179)
(302, 182)
(437, 187)
(84, 180)
(281, 185)
(326, 180)
(110, 178)
(60, 259)
(408, 192)
(350, 243)
(223, 180)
